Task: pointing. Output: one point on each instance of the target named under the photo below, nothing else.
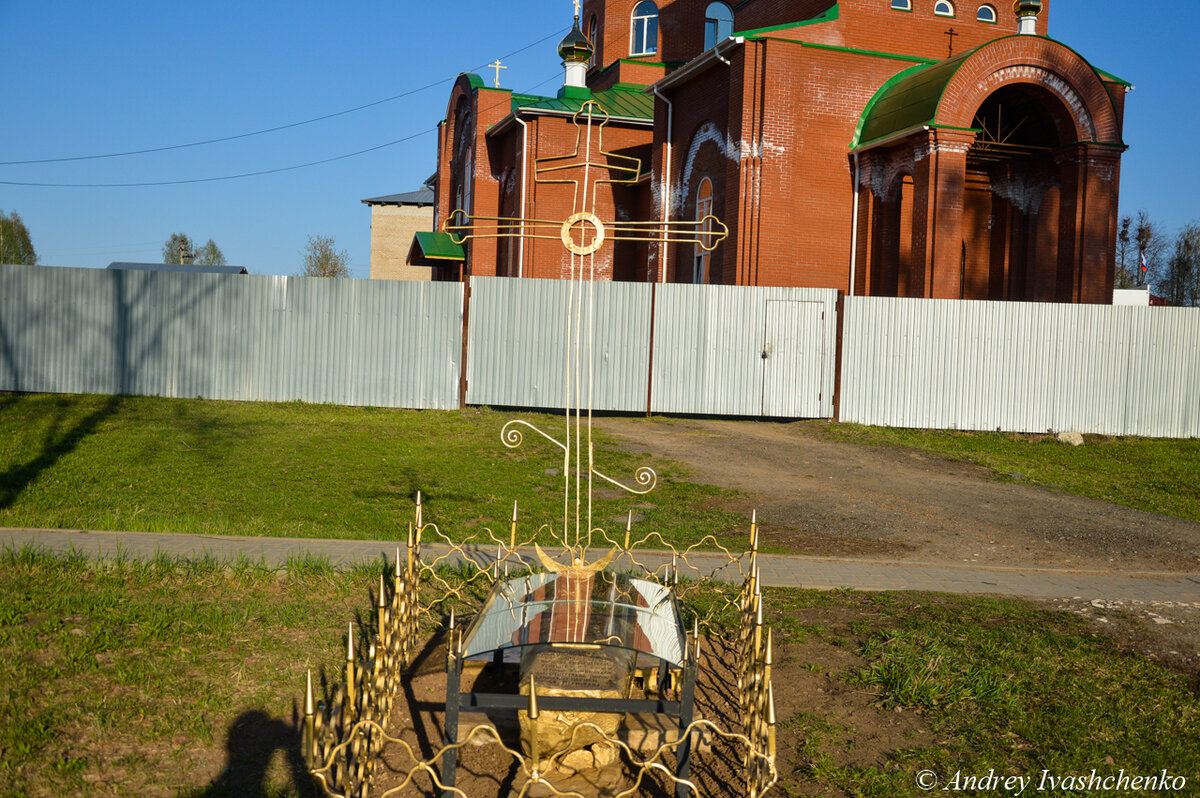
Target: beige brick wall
(392, 230)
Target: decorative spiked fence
(345, 733)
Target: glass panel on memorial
(604, 609)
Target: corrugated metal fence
(671, 348)
(352, 342)
(519, 332)
(717, 350)
(728, 350)
(1021, 367)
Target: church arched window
(704, 209)
(645, 29)
(943, 8)
(718, 24)
(902, 5)
(986, 14)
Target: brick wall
(392, 230)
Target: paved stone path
(823, 573)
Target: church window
(902, 5)
(645, 29)
(943, 8)
(986, 14)
(594, 38)
(704, 209)
(718, 24)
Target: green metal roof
(911, 98)
(435, 246)
(908, 100)
(625, 101)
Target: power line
(222, 177)
(242, 175)
(237, 136)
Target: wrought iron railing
(434, 583)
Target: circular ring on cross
(579, 243)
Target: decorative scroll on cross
(583, 233)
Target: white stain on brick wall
(735, 151)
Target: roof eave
(891, 138)
(697, 65)
(507, 122)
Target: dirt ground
(821, 497)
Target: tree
(1122, 276)
(180, 249)
(211, 255)
(322, 260)
(1151, 242)
(15, 243)
(1180, 285)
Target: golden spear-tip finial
(512, 537)
(350, 643)
(533, 705)
(309, 705)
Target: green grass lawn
(177, 465)
(132, 678)
(172, 679)
(301, 470)
(1000, 684)
(1153, 474)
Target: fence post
(840, 313)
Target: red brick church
(912, 148)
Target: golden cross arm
(585, 228)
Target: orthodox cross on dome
(497, 66)
(578, 7)
(583, 233)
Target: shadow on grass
(60, 440)
(254, 738)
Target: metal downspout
(854, 226)
(524, 171)
(666, 212)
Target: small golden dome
(576, 46)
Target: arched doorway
(1014, 163)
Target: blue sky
(86, 78)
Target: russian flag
(1145, 266)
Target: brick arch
(707, 147)
(1032, 60)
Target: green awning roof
(911, 98)
(434, 247)
(624, 101)
(908, 100)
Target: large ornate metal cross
(583, 233)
